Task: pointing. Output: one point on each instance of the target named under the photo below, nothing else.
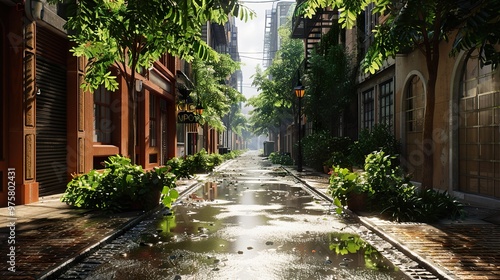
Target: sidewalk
(465, 249)
(49, 235)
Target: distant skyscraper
(274, 19)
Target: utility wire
(256, 58)
(261, 1)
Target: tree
(331, 83)
(211, 88)
(422, 25)
(132, 34)
(274, 106)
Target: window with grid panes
(479, 133)
(368, 109)
(386, 97)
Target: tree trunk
(430, 104)
(427, 141)
(132, 123)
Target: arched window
(414, 120)
(415, 99)
(479, 128)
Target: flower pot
(326, 169)
(357, 201)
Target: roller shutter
(51, 138)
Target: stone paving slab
(463, 251)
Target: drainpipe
(44, 13)
(34, 10)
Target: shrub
(379, 138)
(391, 193)
(198, 163)
(121, 186)
(215, 159)
(423, 206)
(319, 148)
(280, 158)
(178, 168)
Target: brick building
(50, 128)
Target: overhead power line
(261, 1)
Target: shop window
(103, 124)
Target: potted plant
(349, 189)
(328, 166)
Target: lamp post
(299, 92)
(199, 109)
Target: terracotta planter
(325, 169)
(357, 201)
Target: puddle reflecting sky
(249, 229)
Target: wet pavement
(254, 222)
(50, 237)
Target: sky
(251, 42)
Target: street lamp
(299, 92)
(199, 109)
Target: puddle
(249, 229)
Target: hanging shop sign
(187, 117)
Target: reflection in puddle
(250, 230)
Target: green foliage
(274, 105)
(232, 154)
(321, 147)
(200, 162)
(330, 84)
(136, 33)
(418, 24)
(343, 182)
(382, 175)
(347, 243)
(211, 89)
(428, 205)
(380, 137)
(390, 192)
(280, 158)
(121, 186)
(85, 191)
(215, 159)
(178, 168)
